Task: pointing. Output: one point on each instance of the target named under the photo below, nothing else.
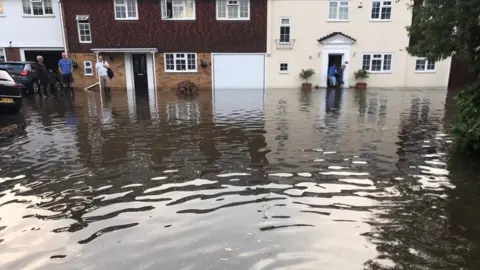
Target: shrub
(466, 125)
(187, 87)
(306, 74)
(361, 75)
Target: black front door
(140, 77)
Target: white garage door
(238, 71)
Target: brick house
(154, 44)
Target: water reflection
(238, 180)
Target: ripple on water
(234, 180)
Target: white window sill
(38, 16)
(178, 19)
(425, 71)
(339, 21)
(380, 72)
(236, 19)
(380, 20)
(181, 71)
(284, 72)
(89, 75)
(85, 42)
(126, 19)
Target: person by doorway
(331, 75)
(102, 67)
(66, 68)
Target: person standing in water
(43, 77)
(102, 73)
(66, 67)
(331, 75)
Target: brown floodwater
(282, 179)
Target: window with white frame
(87, 68)
(3, 58)
(37, 7)
(283, 67)
(126, 9)
(181, 62)
(178, 9)
(381, 10)
(377, 62)
(84, 31)
(424, 65)
(337, 10)
(233, 9)
(285, 30)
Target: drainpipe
(60, 12)
(270, 24)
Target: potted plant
(204, 63)
(360, 76)
(186, 88)
(306, 74)
(74, 63)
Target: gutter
(60, 11)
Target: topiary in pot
(187, 87)
(306, 74)
(360, 76)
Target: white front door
(238, 71)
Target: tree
(443, 28)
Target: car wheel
(35, 87)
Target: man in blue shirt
(331, 75)
(66, 68)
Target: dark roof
(334, 34)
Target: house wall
(29, 31)
(115, 60)
(371, 37)
(169, 80)
(205, 34)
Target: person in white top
(102, 72)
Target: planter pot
(204, 65)
(306, 86)
(361, 85)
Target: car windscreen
(12, 68)
(4, 76)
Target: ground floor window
(181, 62)
(424, 65)
(377, 62)
(3, 57)
(283, 67)
(87, 68)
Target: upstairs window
(233, 9)
(285, 30)
(337, 10)
(178, 9)
(37, 7)
(377, 62)
(381, 10)
(126, 9)
(84, 31)
(424, 65)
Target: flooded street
(337, 179)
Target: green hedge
(466, 126)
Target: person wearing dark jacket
(42, 76)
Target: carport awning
(123, 50)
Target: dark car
(10, 92)
(24, 74)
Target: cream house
(367, 34)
